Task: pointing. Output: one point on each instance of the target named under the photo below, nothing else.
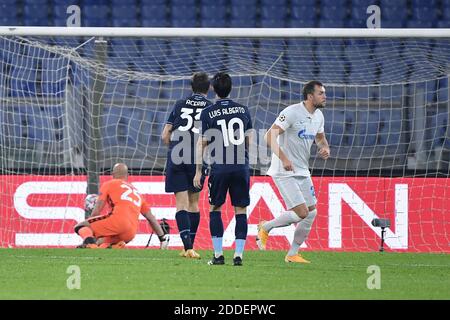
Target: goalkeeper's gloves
(164, 239)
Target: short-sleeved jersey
(185, 121)
(123, 198)
(300, 130)
(225, 125)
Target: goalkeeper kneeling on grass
(117, 228)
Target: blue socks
(216, 229)
(194, 218)
(184, 227)
(240, 233)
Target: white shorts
(296, 190)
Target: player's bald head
(120, 171)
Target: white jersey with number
(300, 129)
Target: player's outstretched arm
(271, 139)
(322, 144)
(163, 237)
(165, 136)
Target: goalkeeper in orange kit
(117, 228)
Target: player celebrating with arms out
(118, 227)
(290, 139)
(225, 127)
(181, 133)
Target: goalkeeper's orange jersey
(124, 199)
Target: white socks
(301, 232)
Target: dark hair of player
(309, 88)
(200, 82)
(222, 84)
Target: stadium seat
(393, 71)
(389, 14)
(148, 89)
(60, 12)
(94, 22)
(393, 24)
(390, 128)
(65, 3)
(443, 23)
(325, 23)
(424, 14)
(121, 126)
(445, 12)
(442, 93)
(160, 117)
(298, 23)
(128, 48)
(306, 3)
(241, 87)
(331, 72)
(36, 22)
(154, 12)
(221, 3)
(298, 13)
(8, 11)
(419, 24)
(436, 128)
(392, 94)
(340, 126)
(241, 12)
(116, 3)
(361, 3)
(189, 3)
(331, 3)
(243, 23)
(95, 2)
(125, 23)
(423, 4)
(395, 4)
(54, 77)
(29, 2)
(368, 127)
(23, 77)
(358, 13)
(153, 2)
(155, 48)
(272, 12)
(155, 22)
(250, 3)
(214, 23)
(333, 12)
(211, 12)
(280, 3)
(184, 23)
(27, 125)
(272, 23)
(96, 11)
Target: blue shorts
(237, 183)
(179, 177)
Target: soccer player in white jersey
(290, 139)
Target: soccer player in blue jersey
(181, 134)
(224, 132)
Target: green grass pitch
(157, 274)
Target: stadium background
(33, 137)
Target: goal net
(73, 106)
